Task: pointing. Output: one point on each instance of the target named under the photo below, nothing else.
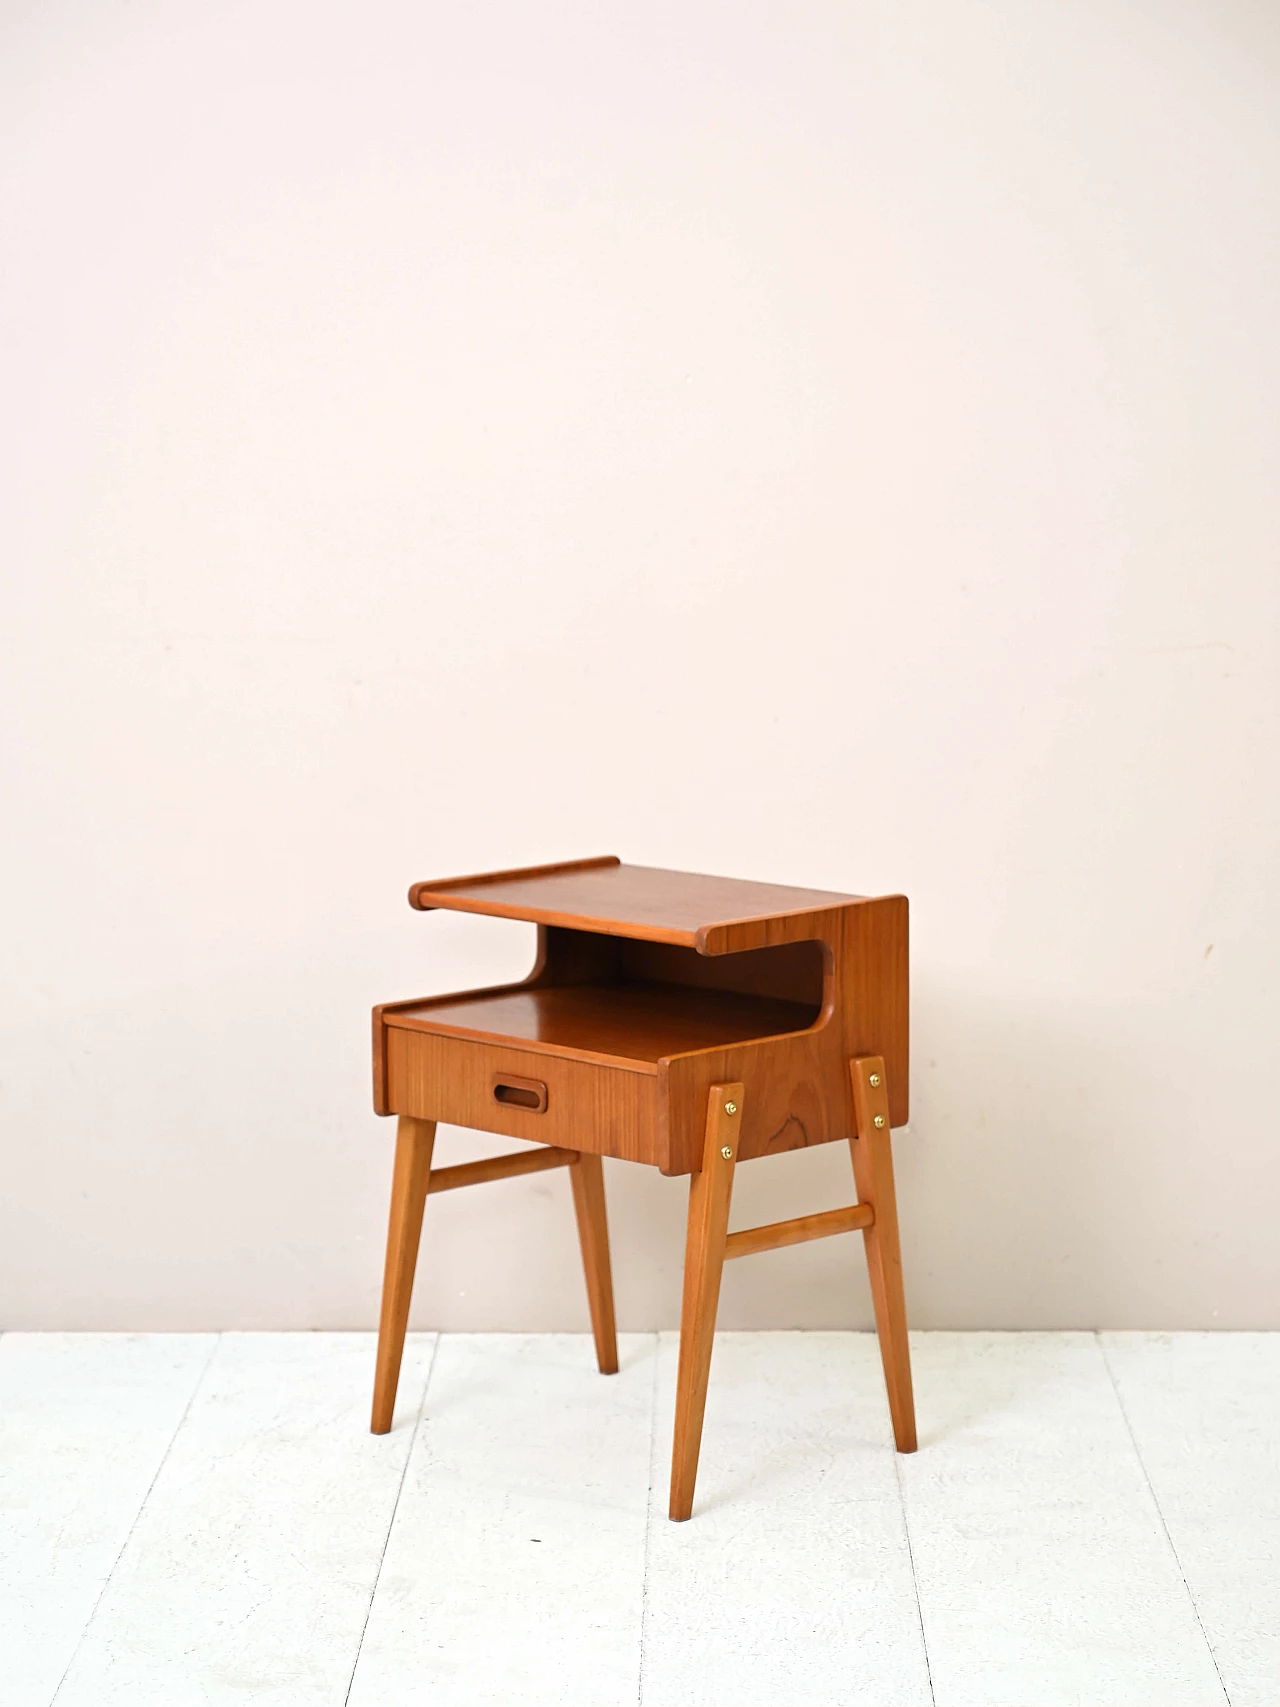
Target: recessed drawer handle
(520, 1093)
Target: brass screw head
(875, 1079)
(727, 1153)
(879, 1120)
(731, 1108)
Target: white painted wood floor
(1091, 1519)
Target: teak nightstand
(689, 1022)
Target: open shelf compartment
(639, 1023)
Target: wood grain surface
(587, 1178)
(710, 1191)
(414, 1142)
(634, 1023)
(499, 1167)
(873, 1173)
(640, 901)
(606, 1110)
(799, 1230)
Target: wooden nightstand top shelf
(711, 914)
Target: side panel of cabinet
(797, 1088)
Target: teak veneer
(685, 1021)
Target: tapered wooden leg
(587, 1176)
(414, 1141)
(873, 1175)
(709, 1194)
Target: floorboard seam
(648, 1514)
(915, 1581)
(395, 1506)
(1137, 1452)
(137, 1516)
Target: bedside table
(686, 1022)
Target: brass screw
(727, 1153)
(875, 1078)
(731, 1108)
(879, 1120)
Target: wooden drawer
(608, 1110)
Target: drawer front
(606, 1110)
